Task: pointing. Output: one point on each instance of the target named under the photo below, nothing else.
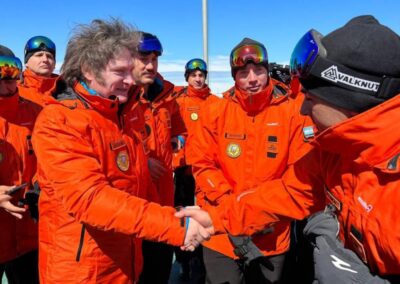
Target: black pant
(184, 196)
(157, 263)
(22, 270)
(221, 269)
(299, 262)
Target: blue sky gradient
(178, 24)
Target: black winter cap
(5, 51)
(365, 46)
(246, 41)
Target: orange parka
(192, 103)
(242, 142)
(358, 162)
(36, 88)
(90, 173)
(17, 166)
(133, 123)
(162, 121)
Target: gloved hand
(322, 223)
(247, 251)
(335, 264)
(31, 200)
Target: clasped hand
(199, 227)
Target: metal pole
(205, 35)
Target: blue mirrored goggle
(10, 68)
(149, 45)
(40, 43)
(305, 53)
(196, 64)
(309, 58)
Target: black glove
(335, 264)
(323, 223)
(247, 251)
(31, 200)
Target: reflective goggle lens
(38, 42)
(196, 64)
(10, 68)
(150, 45)
(304, 54)
(243, 54)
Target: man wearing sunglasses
(192, 101)
(162, 122)
(18, 234)
(38, 81)
(242, 141)
(351, 78)
(92, 172)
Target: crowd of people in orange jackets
(292, 176)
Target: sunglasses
(150, 45)
(10, 68)
(196, 64)
(309, 59)
(39, 43)
(242, 55)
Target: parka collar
(96, 102)
(9, 104)
(40, 83)
(254, 103)
(198, 93)
(371, 137)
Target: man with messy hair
(92, 173)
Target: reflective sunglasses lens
(10, 68)
(303, 55)
(246, 53)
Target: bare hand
(156, 169)
(195, 235)
(201, 216)
(5, 202)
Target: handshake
(198, 224)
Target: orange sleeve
(177, 123)
(298, 145)
(296, 195)
(202, 155)
(69, 163)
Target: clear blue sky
(178, 23)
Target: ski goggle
(40, 43)
(196, 64)
(309, 58)
(10, 68)
(149, 45)
(242, 55)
